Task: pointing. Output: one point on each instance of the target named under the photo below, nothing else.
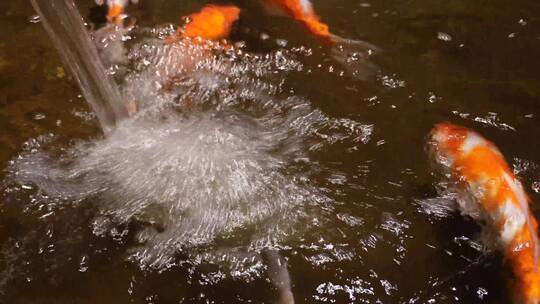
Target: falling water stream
(65, 26)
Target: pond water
(279, 146)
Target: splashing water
(214, 165)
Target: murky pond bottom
(279, 147)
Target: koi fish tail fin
(354, 56)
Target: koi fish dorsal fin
(213, 22)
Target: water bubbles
(83, 264)
(535, 186)
(393, 225)
(392, 82)
(350, 220)
(481, 292)
(85, 116)
(389, 288)
(39, 116)
(356, 56)
(444, 36)
(282, 42)
(432, 98)
(206, 159)
(439, 207)
(492, 119)
(34, 19)
(353, 288)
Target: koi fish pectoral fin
(355, 57)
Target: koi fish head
(445, 142)
(213, 22)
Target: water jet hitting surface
(65, 26)
(215, 161)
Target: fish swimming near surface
(478, 168)
(215, 22)
(212, 22)
(352, 54)
(116, 9)
(301, 10)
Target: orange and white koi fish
(302, 10)
(212, 22)
(116, 9)
(352, 54)
(478, 167)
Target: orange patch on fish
(522, 258)
(115, 14)
(213, 22)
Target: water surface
(342, 160)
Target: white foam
(207, 165)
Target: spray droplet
(481, 292)
(39, 116)
(34, 19)
(444, 36)
(83, 265)
(536, 187)
(282, 42)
